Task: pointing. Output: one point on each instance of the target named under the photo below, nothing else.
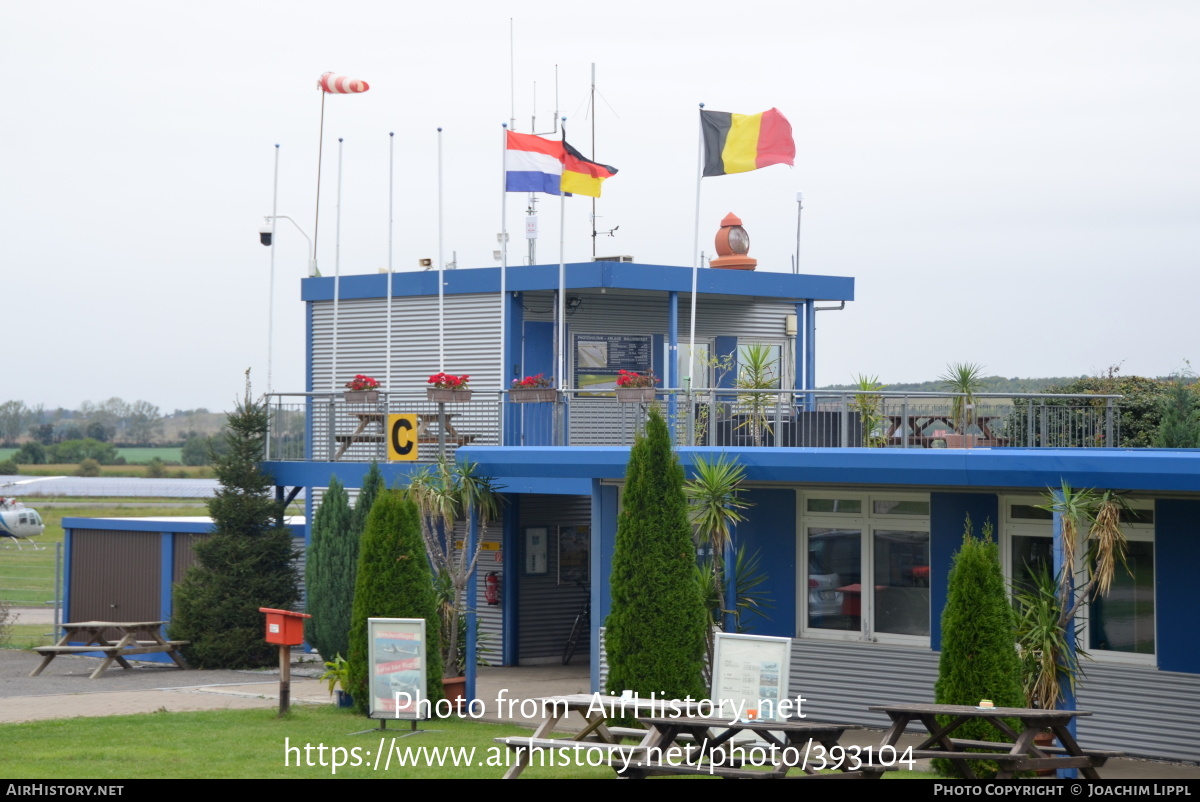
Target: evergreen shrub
(979, 656)
(655, 631)
(394, 581)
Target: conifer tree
(245, 564)
(394, 581)
(655, 630)
(332, 565)
(1179, 426)
(329, 573)
(979, 656)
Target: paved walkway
(63, 690)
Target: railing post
(844, 434)
(271, 419)
(1029, 430)
(904, 423)
(330, 428)
(1108, 423)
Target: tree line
(115, 421)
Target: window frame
(867, 522)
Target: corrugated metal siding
(1140, 711)
(547, 609)
(185, 553)
(840, 680)
(472, 340)
(1137, 710)
(624, 312)
(491, 616)
(596, 421)
(115, 575)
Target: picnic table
(785, 745)
(596, 733)
(1018, 754)
(131, 638)
(425, 434)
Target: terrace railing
(326, 427)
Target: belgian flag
(738, 143)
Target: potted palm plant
(445, 494)
(965, 378)
(1047, 636)
(756, 371)
(336, 675)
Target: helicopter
(18, 522)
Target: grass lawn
(69, 468)
(253, 744)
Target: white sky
(1013, 184)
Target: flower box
(531, 395)
(361, 396)
(448, 396)
(629, 395)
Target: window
(867, 566)
(1119, 626)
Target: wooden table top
(977, 712)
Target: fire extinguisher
(491, 587)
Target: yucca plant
(1048, 663)
(965, 378)
(870, 409)
(713, 502)
(756, 371)
(444, 494)
(1046, 609)
(749, 598)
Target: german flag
(738, 143)
(581, 176)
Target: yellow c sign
(402, 437)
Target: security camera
(264, 235)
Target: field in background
(135, 456)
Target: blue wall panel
(947, 516)
(770, 530)
(1176, 557)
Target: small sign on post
(286, 629)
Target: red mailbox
(284, 627)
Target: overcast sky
(1013, 184)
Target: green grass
(137, 455)
(26, 636)
(69, 468)
(251, 744)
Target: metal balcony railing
(326, 427)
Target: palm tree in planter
(756, 370)
(965, 378)
(1046, 607)
(714, 508)
(445, 494)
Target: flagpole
(337, 268)
(562, 280)
(503, 241)
(695, 256)
(441, 266)
(391, 226)
(320, 153)
(271, 300)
